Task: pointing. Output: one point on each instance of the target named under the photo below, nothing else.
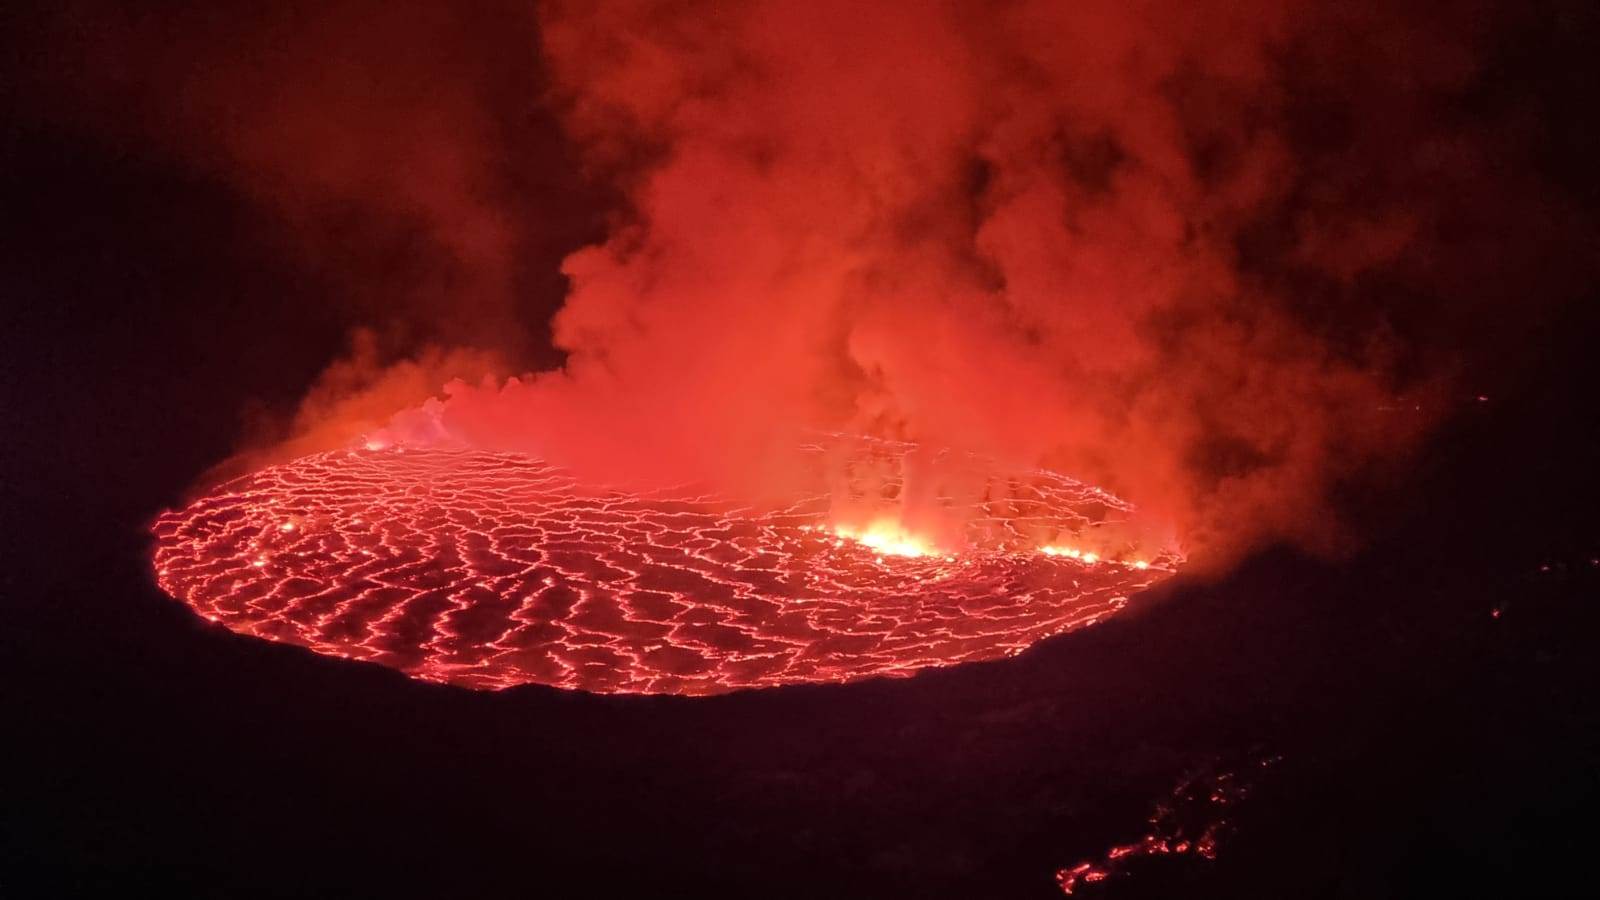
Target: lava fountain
(490, 569)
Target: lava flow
(489, 570)
(1189, 822)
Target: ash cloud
(1216, 257)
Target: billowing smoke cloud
(1213, 256)
(1093, 236)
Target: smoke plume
(1215, 257)
(1090, 236)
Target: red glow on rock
(490, 570)
(1190, 822)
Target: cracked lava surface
(489, 570)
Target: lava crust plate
(490, 570)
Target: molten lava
(489, 570)
(1191, 821)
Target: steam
(1012, 229)
(1171, 248)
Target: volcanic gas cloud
(1202, 255)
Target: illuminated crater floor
(490, 570)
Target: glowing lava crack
(489, 570)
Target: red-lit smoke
(1198, 253)
(1010, 228)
